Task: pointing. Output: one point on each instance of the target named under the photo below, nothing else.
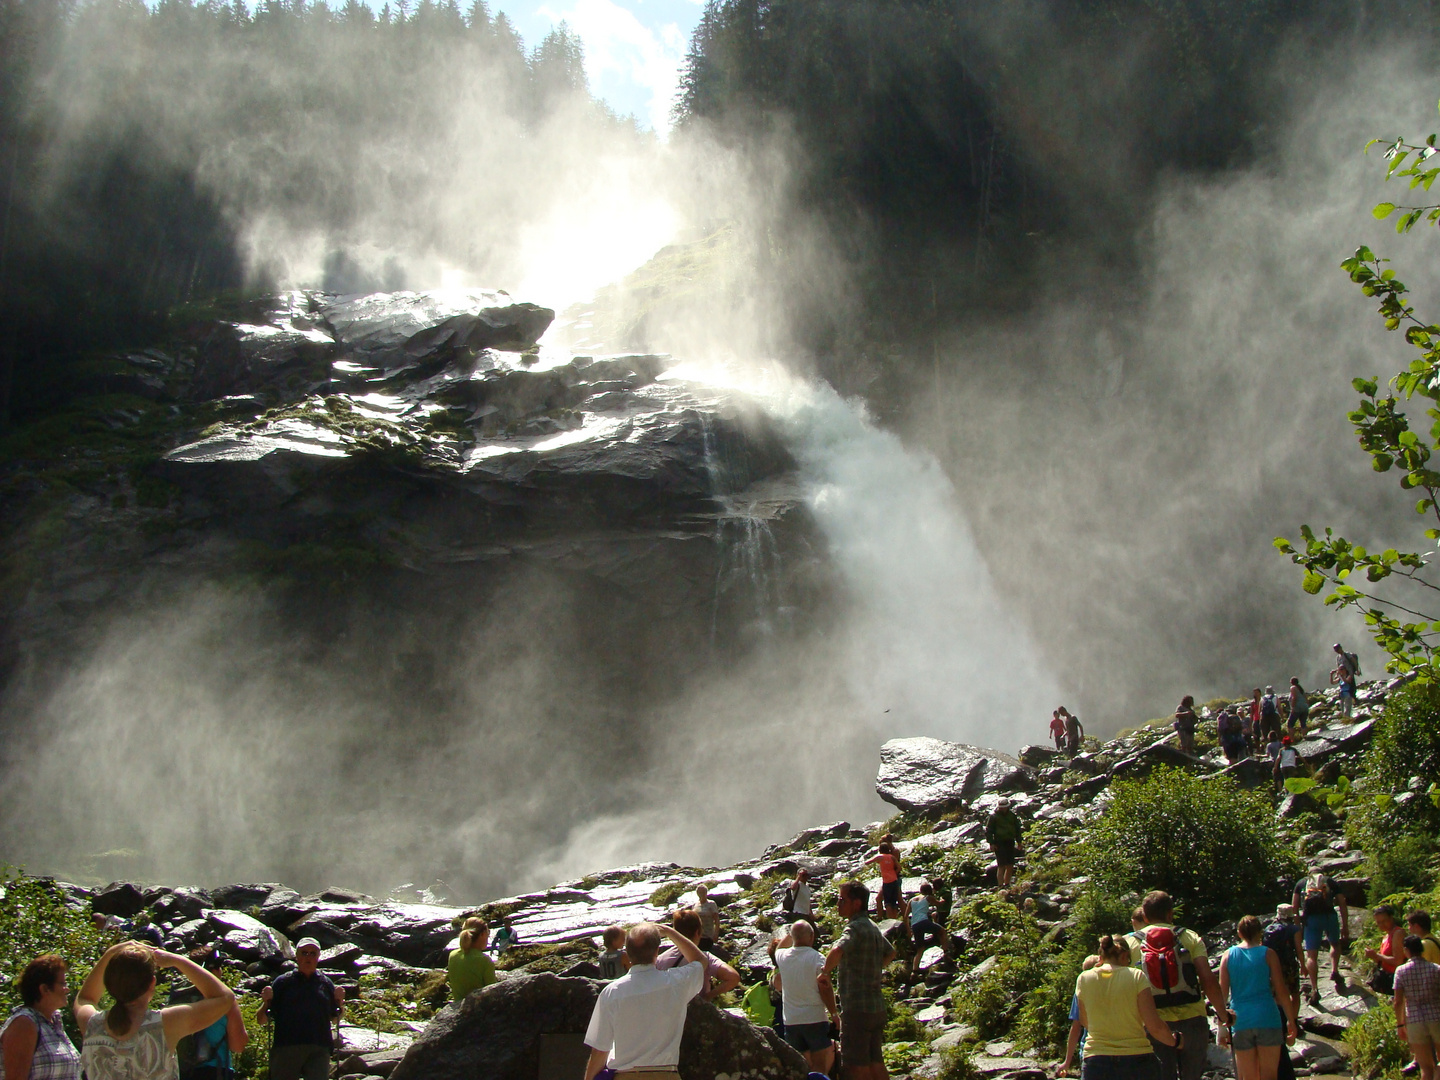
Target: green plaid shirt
(862, 961)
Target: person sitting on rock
(639, 1019)
(303, 1002)
(924, 928)
(469, 969)
(1003, 833)
(1417, 1006)
(887, 901)
(613, 961)
(720, 977)
(505, 938)
(709, 913)
(1057, 731)
(807, 996)
(1185, 722)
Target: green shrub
(991, 1002)
(1376, 1048)
(1208, 842)
(902, 1057)
(1405, 746)
(1045, 1018)
(1405, 866)
(955, 1064)
(668, 893)
(902, 1025)
(994, 935)
(34, 919)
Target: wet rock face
(928, 775)
(496, 1034)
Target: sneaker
(1339, 980)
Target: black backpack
(1279, 937)
(787, 902)
(1268, 709)
(1353, 663)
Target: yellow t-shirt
(1191, 941)
(1431, 950)
(1112, 1013)
(468, 971)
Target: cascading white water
(931, 647)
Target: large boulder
(495, 1034)
(120, 898)
(928, 775)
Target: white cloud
(625, 60)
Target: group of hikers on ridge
(1268, 727)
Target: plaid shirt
(862, 961)
(55, 1056)
(1420, 980)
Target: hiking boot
(1338, 980)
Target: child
(614, 961)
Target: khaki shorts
(1423, 1033)
(862, 1036)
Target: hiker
(1284, 938)
(1418, 924)
(1391, 953)
(1232, 736)
(469, 969)
(505, 938)
(887, 901)
(1122, 1025)
(1184, 724)
(719, 976)
(1417, 1005)
(1257, 728)
(1345, 672)
(1299, 709)
(1074, 732)
(1057, 730)
(1322, 925)
(1262, 1017)
(797, 903)
(639, 1018)
(613, 962)
(209, 1054)
(1269, 713)
(1003, 833)
(303, 1002)
(860, 954)
(807, 997)
(1286, 760)
(1174, 960)
(132, 1041)
(709, 913)
(924, 928)
(33, 1043)
(1073, 1041)
(1138, 921)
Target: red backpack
(1168, 966)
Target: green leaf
(1314, 582)
(1342, 785)
(1299, 785)
(1384, 800)
(1383, 210)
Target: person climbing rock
(1315, 899)
(1003, 832)
(1299, 709)
(887, 901)
(1345, 672)
(923, 926)
(1057, 729)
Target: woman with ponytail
(133, 1041)
(469, 968)
(1117, 1009)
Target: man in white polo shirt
(640, 1017)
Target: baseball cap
(307, 942)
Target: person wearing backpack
(1232, 736)
(1269, 713)
(1283, 937)
(1345, 672)
(1174, 960)
(1074, 732)
(1003, 833)
(209, 1054)
(1323, 925)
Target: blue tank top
(1250, 994)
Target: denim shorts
(1318, 928)
(1251, 1038)
(1120, 1067)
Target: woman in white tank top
(133, 1041)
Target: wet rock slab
(928, 775)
